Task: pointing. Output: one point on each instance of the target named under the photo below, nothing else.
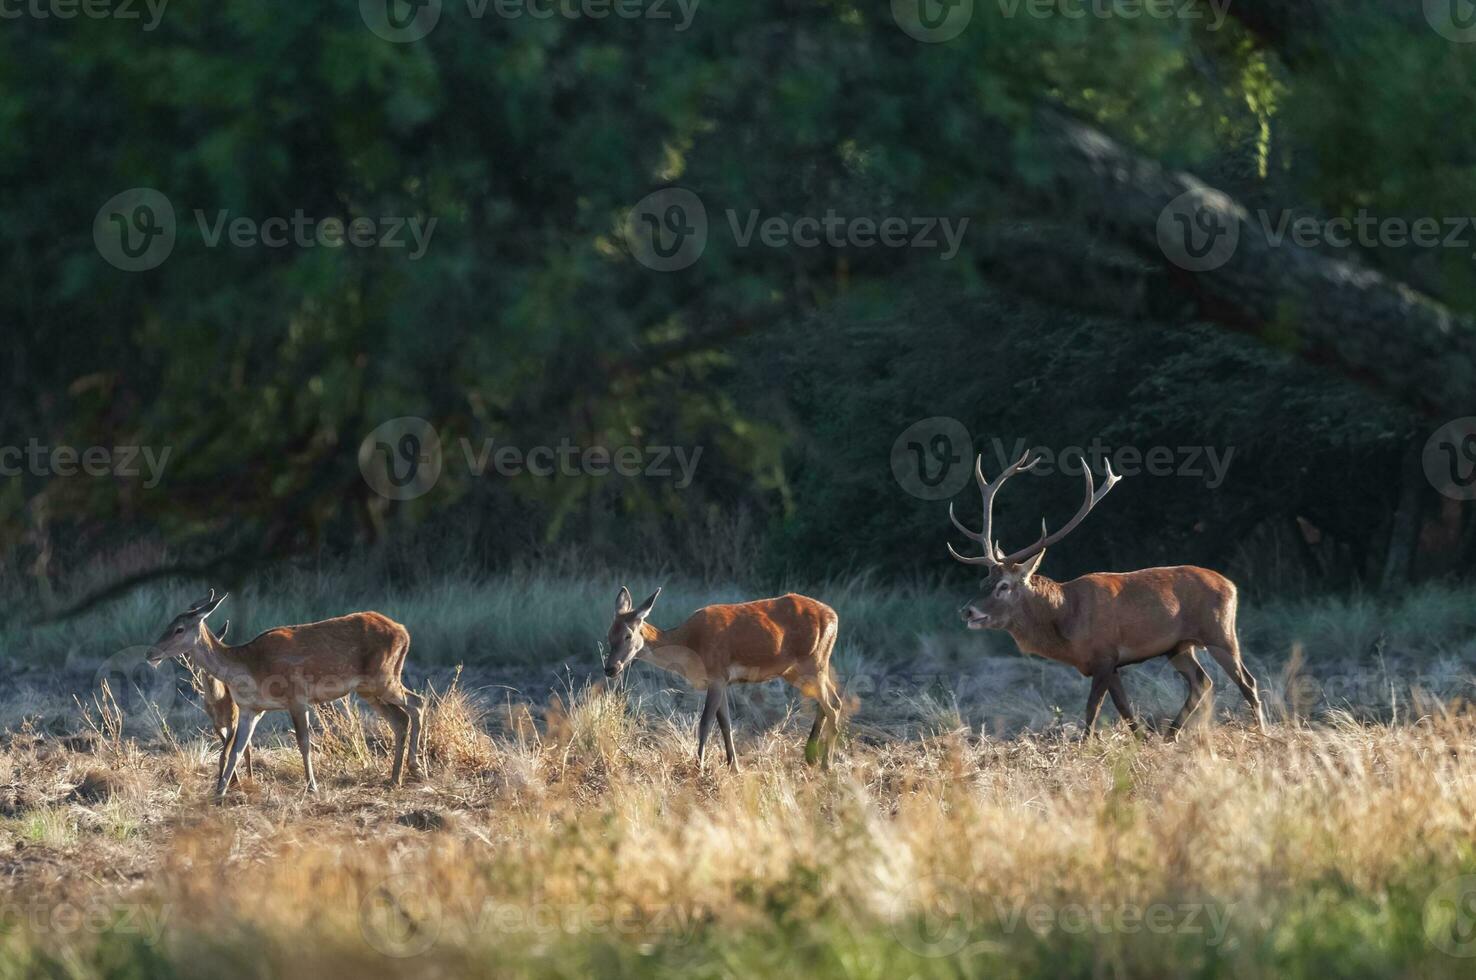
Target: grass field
(564, 829)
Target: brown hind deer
(791, 637)
(291, 668)
(1102, 622)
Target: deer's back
(362, 642)
(759, 633)
(1152, 607)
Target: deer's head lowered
(1011, 584)
(626, 637)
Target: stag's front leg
(1094, 699)
(1120, 701)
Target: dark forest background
(529, 319)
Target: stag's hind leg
(1228, 657)
(1200, 686)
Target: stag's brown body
(789, 637)
(1122, 618)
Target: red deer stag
(1101, 622)
(747, 642)
(291, 668)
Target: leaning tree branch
(1325, 309)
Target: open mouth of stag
(975, 619)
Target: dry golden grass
(586, 839)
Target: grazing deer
(291, 668)
(221, 708)
(742, 643)
(1104, 621)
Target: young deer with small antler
(1101, 622)
(221, 708)
(291, 668)
(743, 643)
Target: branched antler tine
(971, 535)
(983, 559)
(1092, 497)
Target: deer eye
(179, 629)
(1003, 588)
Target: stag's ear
(645, 609)
(622, 602)
(223, 631)
(1028, 567)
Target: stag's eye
(179, 629)
(1004, 588)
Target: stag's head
(185, 633)
(1010, 581)
(626, 639)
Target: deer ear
(213, 605)
(645, 609)
(1029, 566)
(622, 602)
(223, 631)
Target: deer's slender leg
(245, 728)
(250, 772)
(225, 750)
(725, 724)
(1094, 700)
(715, 691)
(1229, 660)
(304, 743)
(399, 722)
(817, 732)
(415, 707)
(830, 703)
(1200, 686)
(1120, 701)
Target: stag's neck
(1038, 628)
(673, 650)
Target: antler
(991, 555)
(1093, 495)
